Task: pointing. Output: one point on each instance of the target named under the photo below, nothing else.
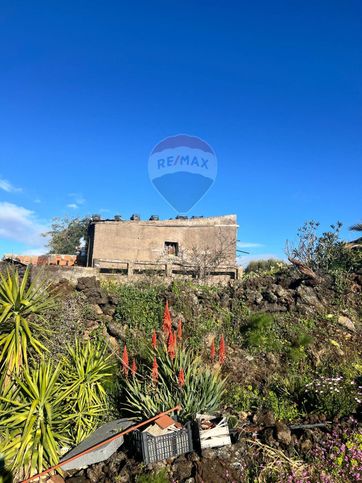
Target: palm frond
(356, 227)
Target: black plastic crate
(156, 448)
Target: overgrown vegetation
(44, 408)
(272, 345)
(265, 267)
(326, 253)
(140, 305)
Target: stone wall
(71, 274)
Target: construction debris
(213, 430)
(163, 425)
(165, 438)
(99, 454)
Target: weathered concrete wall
(72, 274)
(144, 241)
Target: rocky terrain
(263, 442)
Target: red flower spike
(154, 370)
(171, 346)
(181, 377)
(167, 322)
(133, 368)
(154, 339)
(175, 339)
(212, 350)
(222, 350)
(179, 330)
(125, 361)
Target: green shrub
(301, 341)
(333, 396)
(243, 398)
(324, 253)
(204, 314)
(139, 305)
(283, 408)
(260, 334)
(158, 477)
(265, 267)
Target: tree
(202, 261)
(66, 235)
(317, 255)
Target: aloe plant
(20, 302)
(202, 390)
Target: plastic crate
(156, 448)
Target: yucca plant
(5, 475)
(20, 302)
(88, 369)
(202, 386)
(35, 419)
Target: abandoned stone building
(176, 246)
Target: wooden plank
(215, 442)
(210, 433)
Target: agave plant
(35, 419)
(20, 302)
(88, 369)
(202, 388)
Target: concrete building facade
(137, 245)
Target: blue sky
(87, 89)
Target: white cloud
(78, 198)
(21, 225)
(74, 206)
(249, 244)
(7, 186)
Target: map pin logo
(182, 168)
